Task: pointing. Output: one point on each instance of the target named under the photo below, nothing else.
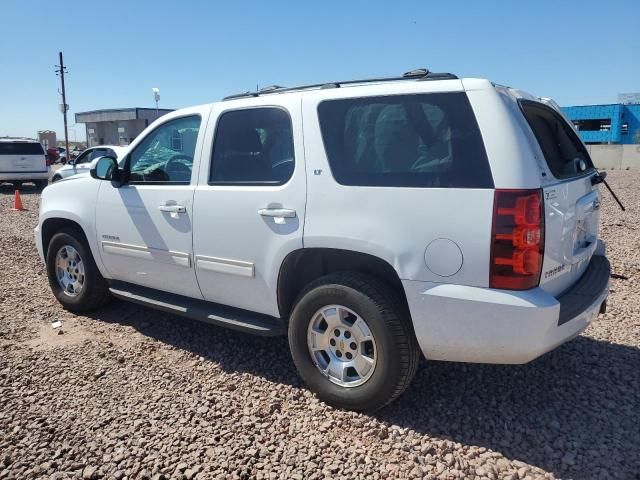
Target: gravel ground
(133, 393)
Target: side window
(98, 152)
(253, 146)
(166, 154)
(84, 157)
(424, 140)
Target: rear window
(564, 152)
(21, 148)
(425, 140)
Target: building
(616, 123)
(47, 138)
(117, 126)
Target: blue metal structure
(612, 123)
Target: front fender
(73, 201)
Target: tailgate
(571, 202)
(572, 213)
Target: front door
(249, 205)
(144, 227)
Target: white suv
(372, 220)
(23, 160)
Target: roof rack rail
(417, 74)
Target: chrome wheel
(70, 270)
(342, 346)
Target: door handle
(277, 212)
(173, 208)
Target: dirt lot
(132, 393)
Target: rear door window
(253, 147)
(565, 154)
(21, 148)
(424, 140)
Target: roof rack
(417, 74)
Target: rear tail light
(517, 239)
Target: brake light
(517, 239)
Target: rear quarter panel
(512, 159)
(395, 224)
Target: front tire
(73, 275)
(352, 341)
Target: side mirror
(105, 168)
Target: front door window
(166, 154)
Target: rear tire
(40, 184)
(56, 178)
(17, 185)
(73, 275)
(393, 350)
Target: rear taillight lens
(517, 239)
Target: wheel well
(301, 267)
(53, 225)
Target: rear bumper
(25, 176)
(481, 325)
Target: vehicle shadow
(25, 189)
(574, 412)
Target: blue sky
(196, 52)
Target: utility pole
(61, 70)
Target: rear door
(249, 205)
(22, 157)
(571, 201)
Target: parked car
(23, 161)
(83, 161)
(52, 155)
(372, 221)
(62, 155)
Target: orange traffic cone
(17, 202)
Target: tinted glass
(564, 152)
(426, 140)
(100, 152)
(21, 148)
(83, 157)
(166, 154)
(253, 146)
(88, 155)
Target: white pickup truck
(372, 220)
